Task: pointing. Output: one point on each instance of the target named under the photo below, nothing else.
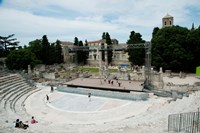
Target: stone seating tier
(10, 86)
(13, 92)
(5, 103)
(19, 98)
(2, 79)
(6, 91)
(3, 74)
(9, 81)
(17, 111)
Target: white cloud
(30, 25)
(89, 18)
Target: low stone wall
(180, 88)
(112, 94)
(49, 75)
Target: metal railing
(184, 122)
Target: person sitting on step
(17, 123)
(33, 120)
(22, 125)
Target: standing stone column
(143, 72)
(29, 69)
(160, 79)
(161, 74)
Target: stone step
(10, 89)
(7, 83)
(9, 86)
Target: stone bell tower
(167, 21)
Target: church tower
(167, 21)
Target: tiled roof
(67, 43)
(97, 41)
(168, 16)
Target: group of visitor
(111, 81)
(20, 124)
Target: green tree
(169, 48)
(80, 56)
(76, 41)
(103, 47)
(78, 50)
(155, 30)
(193, 49)
(109, 47)
(58, 52)
(2, 52)
(86, 52)
(82, 52)
(36, 47)
(7, 43)
(136, 56)
(20, 59)
(192, 26)
(52, 55)
(45, 50)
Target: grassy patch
(91, 69)
(113, 70)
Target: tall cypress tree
(80, 53)
(109, 47)
(103, 47)
(76, 41)
(86, 52)
(45, 50)
(52, 55)
(76, 53)
(58, 52)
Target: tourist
(119, 84)
(33, 121)
(112, 82)
(17, 123)
(52, 89)
(117, 80)
(89, 96)
(22, 125)
(47, 98)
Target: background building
(95, 58)
(167, 21)
(119, 57)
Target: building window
(123, 57)
(95, 56)
(170, 22)
(165, 23)
(116, 57)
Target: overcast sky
(88, 19)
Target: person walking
(52, 89)
(47, 98)
(89, 96)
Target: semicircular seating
(14, 90)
